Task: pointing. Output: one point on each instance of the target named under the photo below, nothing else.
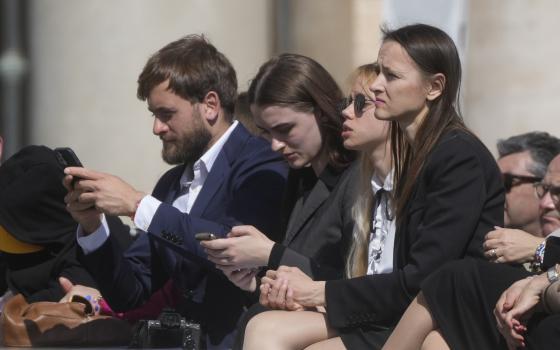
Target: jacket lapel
(304, 211)
(220, 169)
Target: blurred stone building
(69, 67)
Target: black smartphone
(204, 236)
(66, 158)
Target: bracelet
(538, 258)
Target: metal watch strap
(552, 274)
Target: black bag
(170, 330)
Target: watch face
(552, 274)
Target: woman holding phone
(294, 102)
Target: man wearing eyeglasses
(523, 161)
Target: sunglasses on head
(511, 180)
(359, 102)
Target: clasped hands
(244, 251)
(95, 193)
(515, 307)
(288, 288)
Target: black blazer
(320, 227)
(457, 199)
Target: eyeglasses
(511, 180)
(360, 101)
(541, 189)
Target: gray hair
(541, 146)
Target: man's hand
(289, 287)
(504, 305)
(516, 305)
(245, 247)
(84, 212)
(504, 245)
(108, 193)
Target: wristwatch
(552, 274)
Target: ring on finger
(493, 254)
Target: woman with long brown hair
(447, 195)
(294, 101)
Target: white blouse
(382, 236)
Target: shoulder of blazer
(243, 147)
(252, 155)
(458, 145)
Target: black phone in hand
(67, 158)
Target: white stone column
(513, 82)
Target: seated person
(37, 234)
(222, 177)
(447, 195)
(459, 305)
(522, 160)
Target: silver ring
(493, 254)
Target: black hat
(32, 207)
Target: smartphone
(66, 158)
(204, 236)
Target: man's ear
(436, 86)
(211, 106)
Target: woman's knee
(264, 331)
(434, 341)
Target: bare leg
(435, 341)
(413, 328)
(329, 344)
(286, 330)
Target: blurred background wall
(68, 68)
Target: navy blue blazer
(245, 186)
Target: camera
(170, 330)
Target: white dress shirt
(382, 236)
(191, 181)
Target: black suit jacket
(320, 227)
(245, 186)
(457, 199)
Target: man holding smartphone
(224, 177)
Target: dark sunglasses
(541, 189)
(511, 180)
(359, 103)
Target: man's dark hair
(541, 146)
(193, 67)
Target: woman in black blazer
(476, 304)
(294, 103)
(448, 195)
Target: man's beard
(191, 147)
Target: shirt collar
(387, 185)
(206, 162)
